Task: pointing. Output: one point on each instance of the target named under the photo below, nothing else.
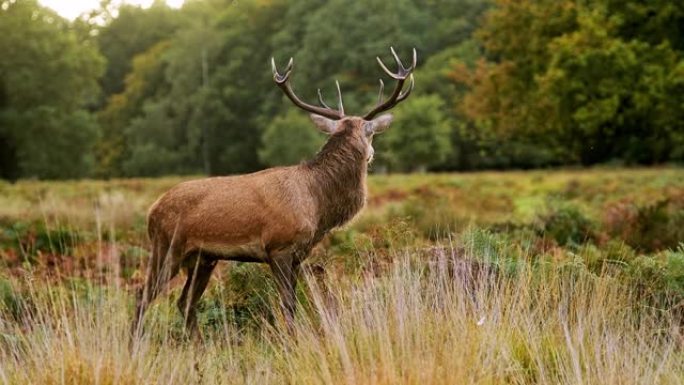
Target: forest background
(128, 91)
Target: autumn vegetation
(488, 278)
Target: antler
(397, 95)
(282, 81)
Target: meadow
(536, 277)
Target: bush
(660, 278)
(651, 227)
(566, 224)
(244, 297)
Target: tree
(133, 31)
(289, 139)
(420, 135)
(435, 78)
(241, 86)
(608, 98)
(52, 144)
(574, 78)
(208, 87)
(451, 22)
(197, 98)
(47, 77)
(145, 84)
(342, 38)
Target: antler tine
(382, 89)
(404, 94)
(282, 81)
(277, 76)
(387, 71)
(400, 76)
(320, 100)
(340, 105)
(396, 58)
(274, 69)
(402, 72)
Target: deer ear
(324, 124)
(379, 124)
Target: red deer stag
(274, 216)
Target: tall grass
(447, 319)
(557, 278)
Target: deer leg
(197, 281)
(285, 273)
(160, 270)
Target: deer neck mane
(338, 179)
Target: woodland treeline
(500, 84)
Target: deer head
(332, 121)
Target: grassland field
(536, 277)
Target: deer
(274, 216)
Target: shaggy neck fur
(339, 179)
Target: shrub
(651, 227)
(566, 224)
(660, 278)
(243, 297)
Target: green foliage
(123, 119)
(594, 82)
(435, 74)
(337, 45)
(240, 85)
(133, 31)
(47, 78)
(495, 251)
(500, 84)
(51, 144)
(420, 135)
(660, 277)
(566, 224)
(452, 22)
(244, 298)
(289, 139)
(609, 97)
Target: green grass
(543, 277)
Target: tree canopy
(598, 81)
(47, 80)
(131, 91)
